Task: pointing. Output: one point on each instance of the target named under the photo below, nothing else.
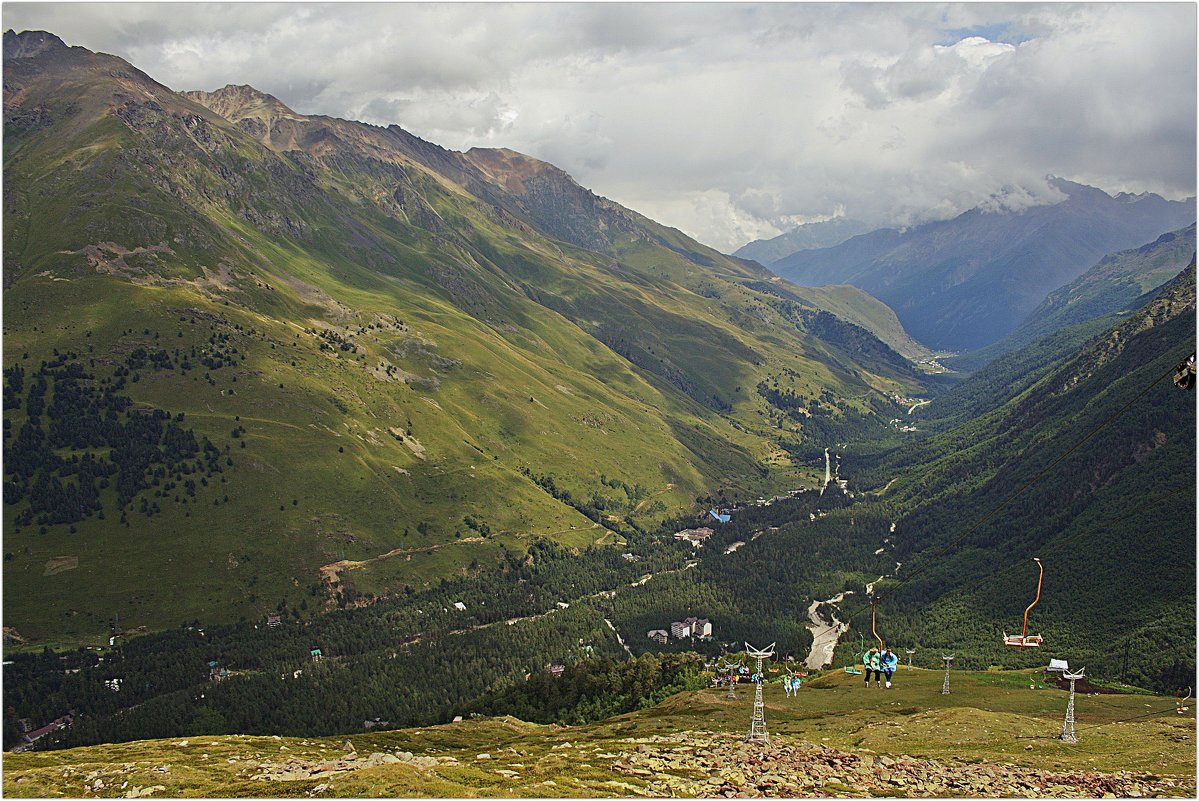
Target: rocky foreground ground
(684, 764)
(699, 765)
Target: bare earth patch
(61, 564)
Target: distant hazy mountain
(1121, 282)
(804, 237)
(963, 283)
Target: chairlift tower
(731, 670)
(757, 726)
(910, 652)
(945, 685)
(1067, 735)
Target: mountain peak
(237, 102)
(29, 44)
(1076, 190)
(509, 168)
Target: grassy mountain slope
(323, 360)
(992, 735)
(861, 308)
(963, 283)
(1120, 282)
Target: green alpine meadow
(355, 451)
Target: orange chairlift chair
(1024, 639)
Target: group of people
(791, 682)
(881, 664)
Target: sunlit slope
(401, 372)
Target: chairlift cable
(1095, 725)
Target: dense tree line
(595, 689)
(133, 450)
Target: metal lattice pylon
(945, 685)
(757, 725)
(1067, 735)
(731, 670)
(910, 652)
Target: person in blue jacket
(887, 662)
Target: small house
(316, 654)
(273, 619)
(52, 726)
(659, 636)
(461, 607)
(216, 672)
(556, 670)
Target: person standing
(888, 662)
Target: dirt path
(571, 530)
(645, 502)
(331, 573)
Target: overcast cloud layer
(731, 122)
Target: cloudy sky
(729, 121)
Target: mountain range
(964, 283)
(328, 361)
(1118, 284)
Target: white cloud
(728, 121)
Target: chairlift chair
(1024, 639)
(1184, 373)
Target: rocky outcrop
(30, 44)
(297, 769)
